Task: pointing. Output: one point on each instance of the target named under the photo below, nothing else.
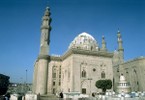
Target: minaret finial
(103, 44)
(120, 47)
(47, 8)
(118, 30)
(47, 3)
(47, 11)
(119, 40)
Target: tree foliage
(104, 84)
(4, 83)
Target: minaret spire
(41, 65)
(103, 44)
(45, 33)
(120, 47)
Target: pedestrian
(93, 94)
(61, 95)
(6, 98)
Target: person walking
(61, 95)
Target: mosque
(78, 69)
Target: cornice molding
(83, 52)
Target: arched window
(83, 73)
(103, 74)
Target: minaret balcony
(45, 27)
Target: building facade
(78, 69)
(134, 71)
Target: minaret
(120, 47)
(45, 33)
(103, 44)
(41, 65)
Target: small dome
(84, 41)
(122, 78)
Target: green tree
(4, 83)
(104, 84)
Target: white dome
(122, 78)
(84, 41)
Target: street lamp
(26, 76)
(90, 84)
(26, 82)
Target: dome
(122, 78)
(84, 41)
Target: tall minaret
(103, 44)
(120, 47)
(45, 33)
(41, 65)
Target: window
(83, 90)
(53, 83)
(69, 74)
(54, 72)
(60, 76)
(134, 71)
(118, 69)
(60, 70)
(53, 90)
(137, 83)
(54, 75)
(94, 69)
(103, 74)
(83, 73)
(91, 48)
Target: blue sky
(20, 22)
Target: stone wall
(134, 71)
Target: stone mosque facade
(78, 69)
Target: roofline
(135, 59)
(83, 52)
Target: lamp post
(26, 82)
(26, 76)
(90, 84)
(21, 85)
